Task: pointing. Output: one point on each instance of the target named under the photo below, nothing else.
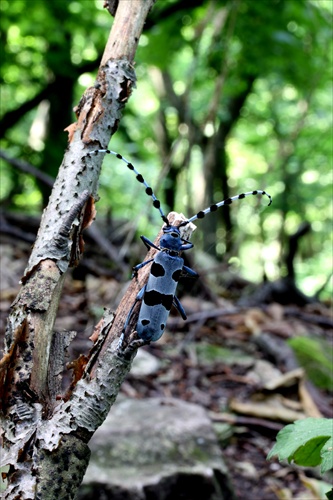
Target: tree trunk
(44, 434)
(216, 169)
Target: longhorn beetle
(158, 295)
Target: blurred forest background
(232, 95)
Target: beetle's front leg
(149, 244)
(135, 269)
(189, 272)
(179, 307)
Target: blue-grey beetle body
(158, 295)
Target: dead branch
(44, 436)
(27, 168)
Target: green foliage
(209, 353)
(280, 139)
(315, 355)
(33, 53)
(307, 442)
(43, 54)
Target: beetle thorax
(171, 239)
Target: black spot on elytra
(176, 275)
(157, 270)
(145, 322)
(154, 298)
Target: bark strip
(44, 437)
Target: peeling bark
(44, 434)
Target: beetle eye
(175, 235)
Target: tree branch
(28, 169)
(44, 440)
(10, 118)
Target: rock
(145, 364)
(158, 448)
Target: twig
(6, 228)
(203, 316)
(28, 169)
(248, 421)
(310, 318)
(110, 250)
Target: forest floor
(235, 361)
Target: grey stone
(144, 364)
(158, 448)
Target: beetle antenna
(139, 177)
(228, 201)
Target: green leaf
(315, 356)
(327, 456)
(307, 442)
(308, 455)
